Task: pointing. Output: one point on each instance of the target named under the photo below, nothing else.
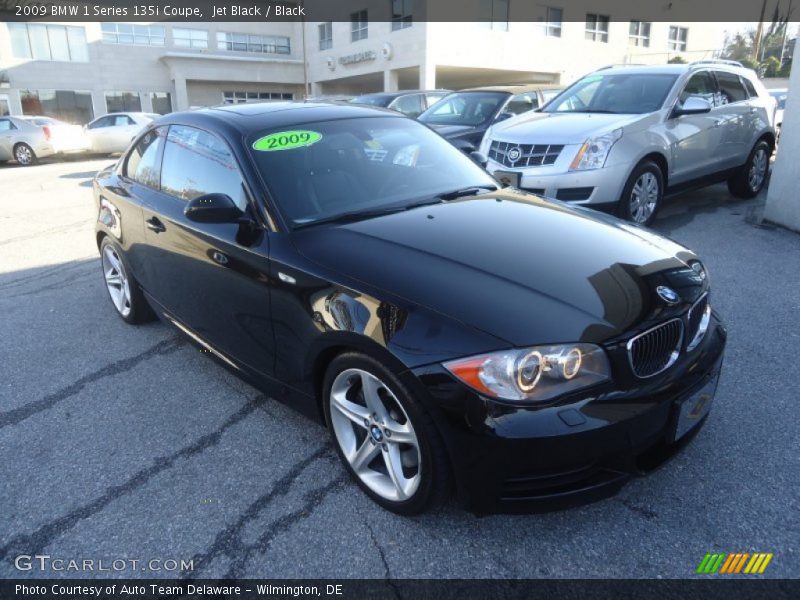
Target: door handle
(153, 224)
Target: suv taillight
(47, 133)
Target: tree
(770, 67)
(677, 60)
(786, 69)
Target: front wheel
(750, 178)
(384, 437)
(642, 194)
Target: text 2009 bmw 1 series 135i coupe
(352, 263)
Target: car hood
(558, 128)
(523, 269)
(451, 131)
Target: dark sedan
(353, 264)
(409, 102)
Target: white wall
(783, 197)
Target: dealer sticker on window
(286, 140)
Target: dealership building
(78, 71)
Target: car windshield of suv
(373, 100)
(354, 169)
(464, 108)
(624, 93)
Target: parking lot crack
(387, 574)
(640, 510)
(42, 537)
(17, 415)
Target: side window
(700, 85)
(409, 105)
(730, 87)
(521, 103)
(122, 121)
(142, 164)
(751, 89)
(6, 125)
(197, 163)
(432, 99)
(101, 122)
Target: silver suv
(622, 136)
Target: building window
(359, 26)
(262, 44)
(325, 35)
(123, 102)
(190, 38)
(245, 97)
(677, 38)
(493, 14)
(597, 27)
(138, 35)
(401, 14)
(552, 25)
(48, 42)
(161, 102)
(639, 34)
(66, 105)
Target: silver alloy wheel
(375, 434)
(116, 281)
(23, 154)
(758, 170)
(644, 197)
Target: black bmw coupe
(352, 263)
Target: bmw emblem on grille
(668, 295)
(514, 154)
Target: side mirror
(694, 105)
(479, 158)
(503, 116)
(213, 208)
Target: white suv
(622, 136)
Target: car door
(7, 131)
(735, 108)
(695, 139)
(212, 279)
(98, 133)
(122, 130)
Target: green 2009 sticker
(286, 140)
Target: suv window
(700, 85)
(142, 164)
(432, 99)
(196, 163)
(408, 105)
(751, 89)
(522, 103)
(730, 87)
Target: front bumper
(592, 187)
(511, 458)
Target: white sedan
(29, 138)
(113, 132)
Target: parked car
(409, 102)
(463, 117)
(355, 265)
(780, 99)
(622, 136)
(330, 98)
(113, 132)
(26, 139)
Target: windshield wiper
(596, 110)
(467, 191)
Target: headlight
(699, 270)
(534, 374)
(486, 142)
(594, 151)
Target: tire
(750, 178)
(643, 193)
(366, 434)
(24, 155)
(123, 290)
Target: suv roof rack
(717, 61)
(612, 66)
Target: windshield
(464, 108)
(633, 93)
(780, 97)
(373, 100)
(321, 171)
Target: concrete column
(783, 201)
(427, 76)
(147, 101)
(316, 89)
(181, 94)
(99, 103)
(390, 81)
(14, 101)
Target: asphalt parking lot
(120, 442)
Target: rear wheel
(384, 437)
(642, 194)
(123, 290)
(24, 155)
(750, 178)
